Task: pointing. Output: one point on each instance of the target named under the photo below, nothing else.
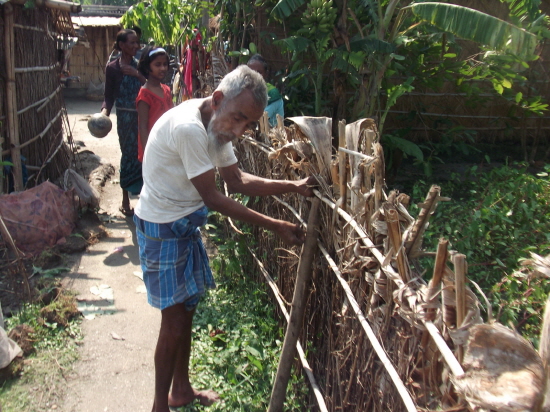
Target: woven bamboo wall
(40, 107)
(88, 58)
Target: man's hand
(305, 186)
(290, 233)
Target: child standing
(154, 98)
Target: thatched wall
(39, 108)
(89, 56)
(377, 335)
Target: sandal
(126, 212)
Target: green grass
(237, 341)
(42, 380)
(496, 219)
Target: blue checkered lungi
(174, 261)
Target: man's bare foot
(205, 398)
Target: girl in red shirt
(154, 98)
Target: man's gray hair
(243, 78)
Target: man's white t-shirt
(178, 149)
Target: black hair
(137, 30)
(145, 60)
(258, 58)
(122, 36)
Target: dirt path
(115, 370)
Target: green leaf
(369, 45)
(397, 56)
(474, 25)
(405, 146)
(295, 44)
(285, 8)
(519, 96)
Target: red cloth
(157, 107)
(38, 218)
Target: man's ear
(217, 98)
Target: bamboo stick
(297, 311)
(309, 372)
(41, 134)
(11, 99)
(435, 281)
(394, 232)
(452, 362)
(40, 29)
(354, 153)
(434, 285)
(392, 372)
(36, 68)
(459, 261)
(60, 5)
(342, 165)
(414, 241)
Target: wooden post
(11, 98)
(108, 43)
(394, 233)
(434, 285)
(342, 165)
(459, 262)
(297, 310)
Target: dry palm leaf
(503, 371)
(319, 131)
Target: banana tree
(370, 36)
(166, 22)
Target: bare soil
(115, 371)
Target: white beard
(217, 139)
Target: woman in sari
(122, 84)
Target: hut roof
(96, 21)
(94, 10)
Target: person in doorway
(122, 83)
(275, 105)
(185, 147)
(154, 98)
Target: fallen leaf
(115, 336)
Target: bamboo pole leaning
(297, 311)
(11, 99)
(305, 364)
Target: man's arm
(215, 200)
(241, 182)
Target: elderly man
(184, 147)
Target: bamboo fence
(34, 132)
(378, 335)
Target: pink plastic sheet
(39, 217)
